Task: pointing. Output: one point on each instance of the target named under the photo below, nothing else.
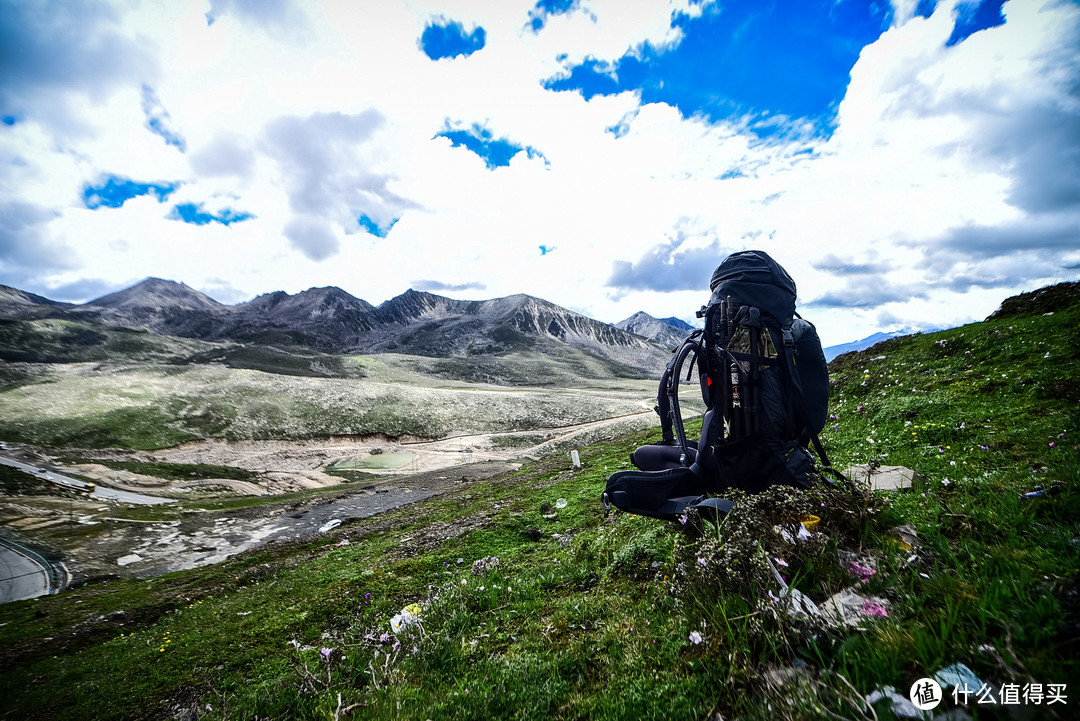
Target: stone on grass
(884, 478)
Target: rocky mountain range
(331, 320)
(666, 332)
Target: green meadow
(515, 615)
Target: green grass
(591, 617)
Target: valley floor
(297, 487)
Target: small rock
(885, 478)
(901, 707)
(907, 537)
(957, 675)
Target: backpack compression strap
(800, 406)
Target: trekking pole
(722, 368)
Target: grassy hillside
(583, 616)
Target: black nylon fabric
(753, 278)
(813, 372)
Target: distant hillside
(331, 320)
(666, 332)
(868, 342)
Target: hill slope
(523, 614)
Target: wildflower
(695, 638)
(701, 561)
(682, 519)
(945, 481)
(408, 616)
(983, 447)
(874, 610)
(1051, 444)
(325, 654)
(774, 598)
(781, 562)
(863, 573)
(415, 650)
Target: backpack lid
(751, 277)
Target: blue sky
(910, 162)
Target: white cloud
(306, 130)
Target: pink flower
(863, 573)
(875, 610)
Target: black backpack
(765, 385)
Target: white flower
(695, 638)
(400, 621)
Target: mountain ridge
(329, 319)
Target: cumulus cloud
(544, 9)
(313, 237)
(26, 249)
(868, 291)
(279, 18)
(56, 48)
(227, 154)
(833, 263)
(951, 173)
(325, 167)
(669, 266)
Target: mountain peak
(155, 293)
(668, 332)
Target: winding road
(100, 492)
(21, 576)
